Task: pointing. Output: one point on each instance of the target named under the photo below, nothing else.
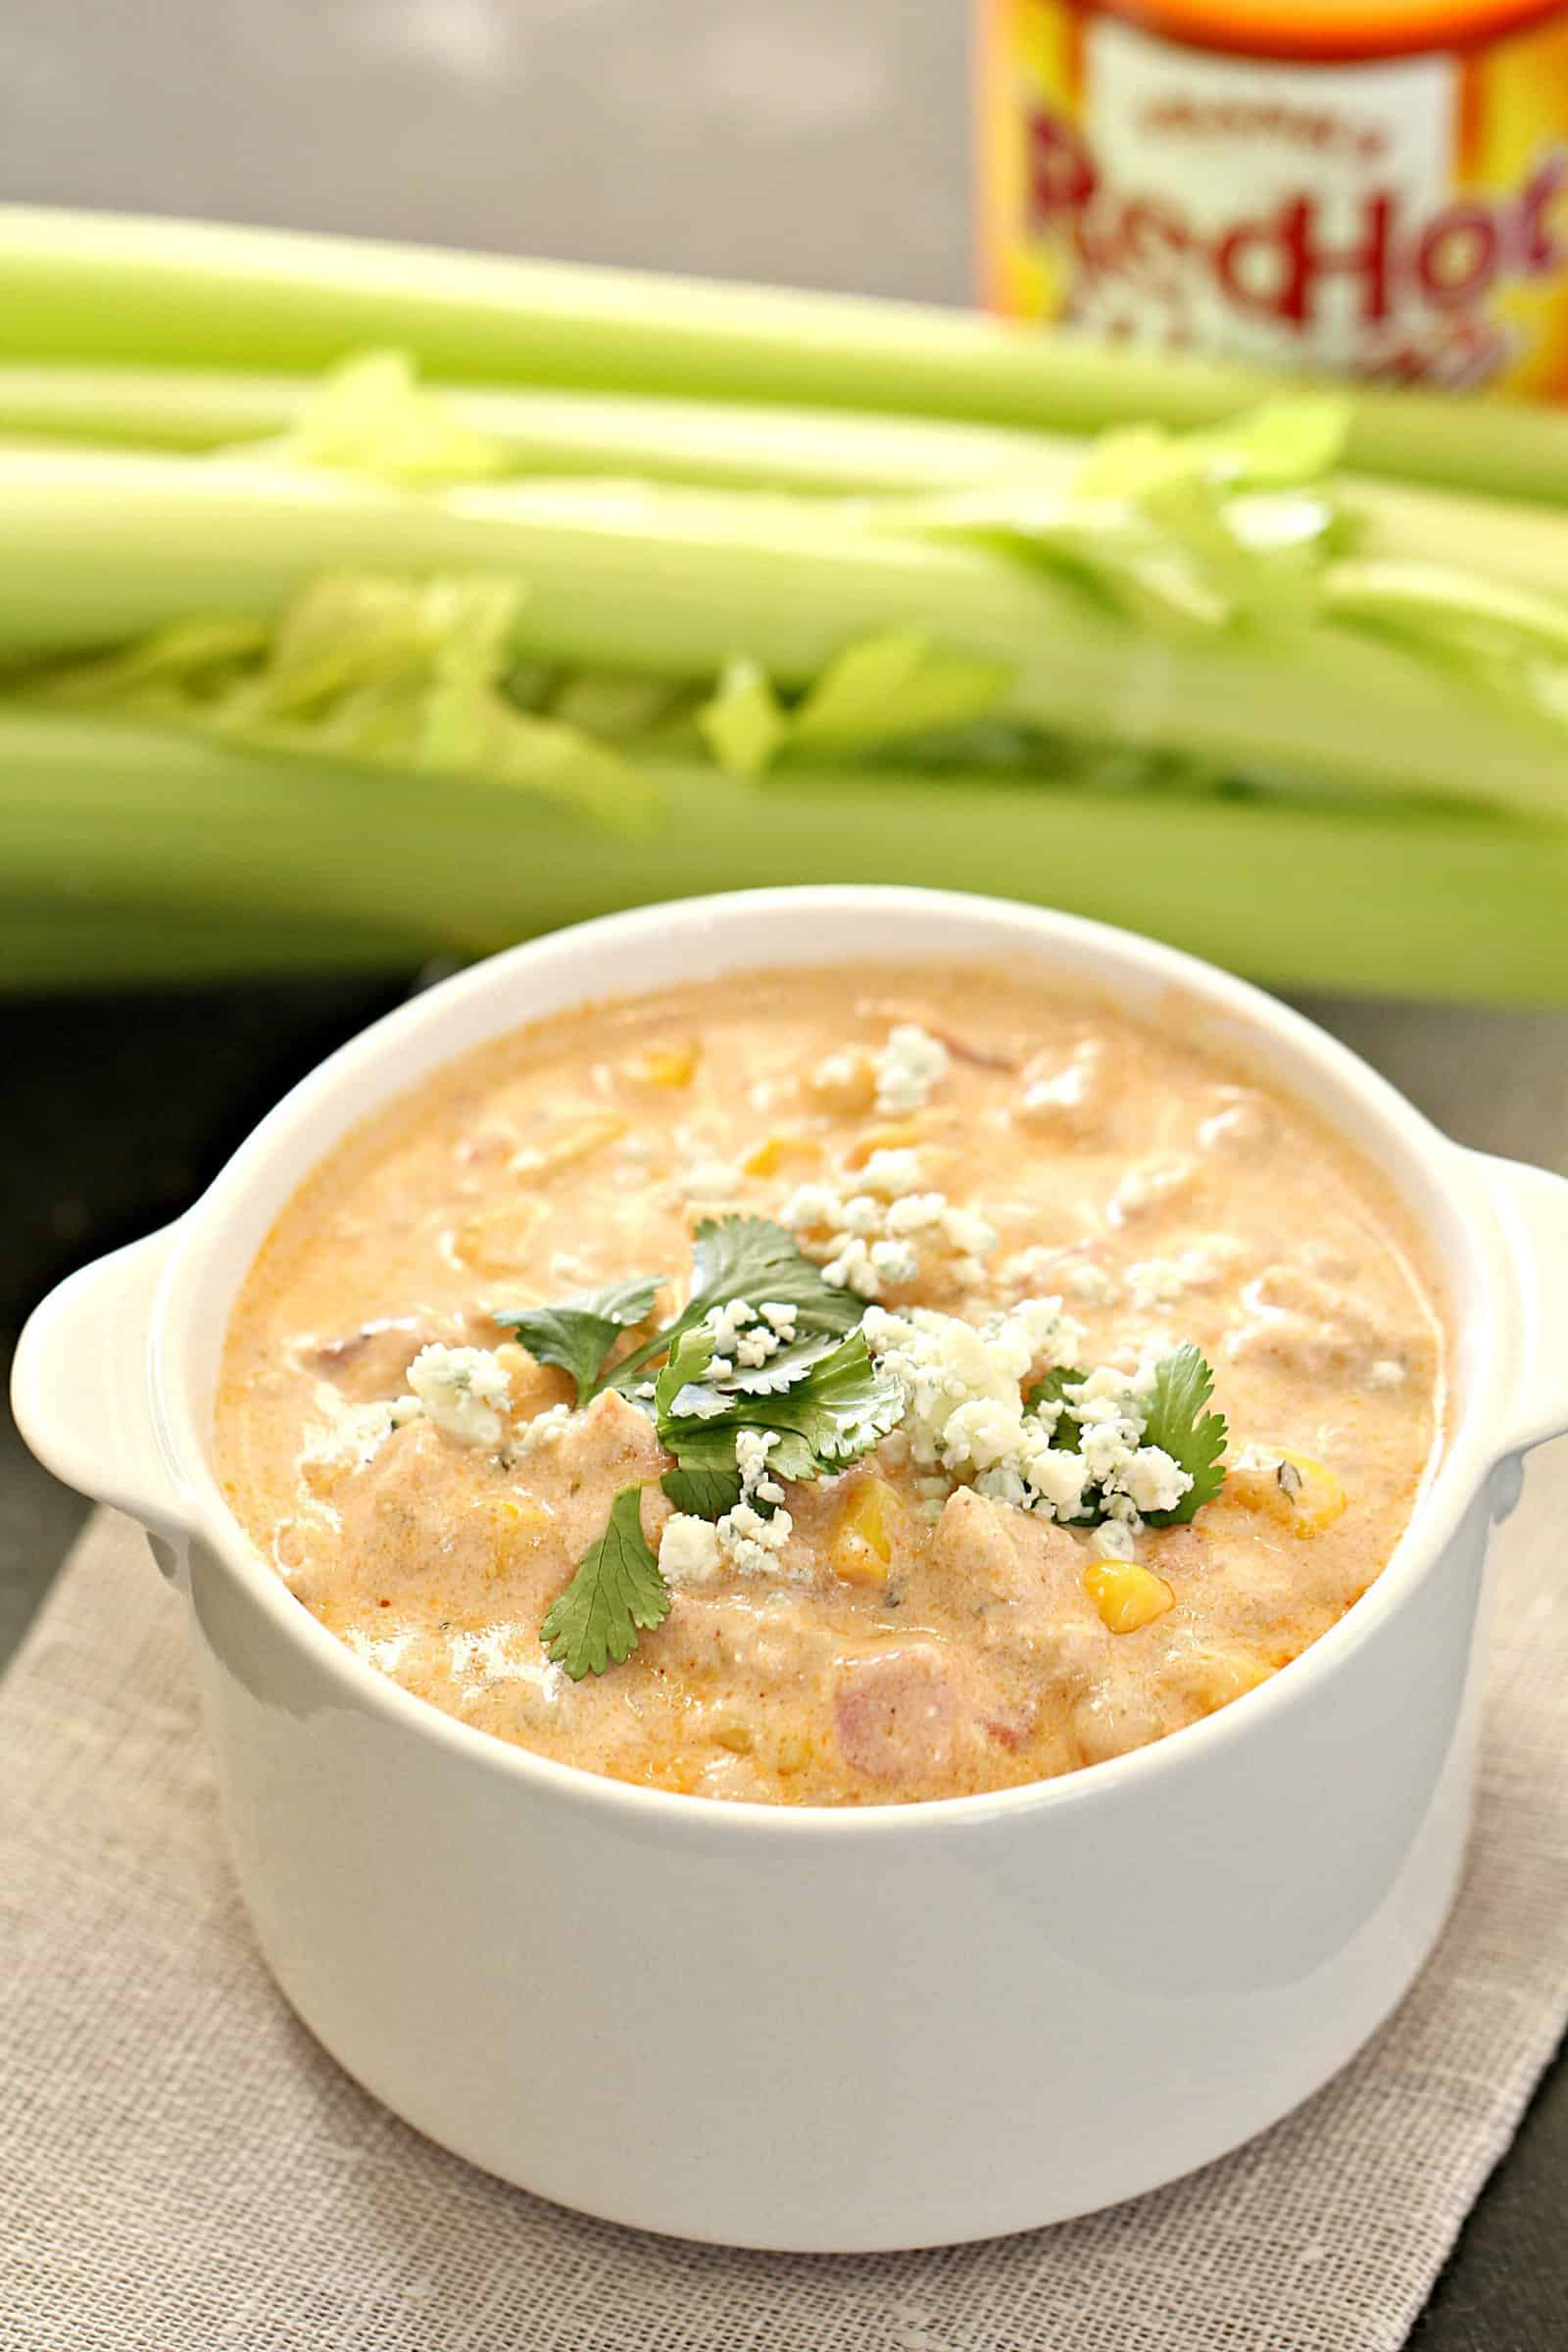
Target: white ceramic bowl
(818, 2028)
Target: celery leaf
(370, 416)
(409, 675)
(880, 689)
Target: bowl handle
(81, 1395)
(1531, 1205)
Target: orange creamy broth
(907, 1641)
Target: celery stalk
(1445, 902)
(624, 435)
(673, 582)
(745, 447)
(91, 286)
(752, 448)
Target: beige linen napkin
(181, 2168)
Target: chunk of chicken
(1023, 1577)
(577, 1464)
(416, 1514)
(454, 1518)
(1314, 1329)
(374, 1361)
(896, 1712)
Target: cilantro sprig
(1175, 1420)
(615, 1593)
(836, 1406)
(819, 1394)
(732, 1257)
(745, 1257)
(579, 1332)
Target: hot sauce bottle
(1376, 190)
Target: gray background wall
(824, 142)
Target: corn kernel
(666, 1066)
(495, 1240)
(1214, 1677)
(736, 1737)
(514, 1359)
(1126, 1595)
(793, 1754)
(775, 1152)
(843, 1084)
(863, 1540)
(1300, 1494)
(892, 1135)
(567, 1146)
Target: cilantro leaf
(1067, 1435)
(579, 1332)
(752, 1257)
(1175, 1420)
(617, 1588)
(708, 1450)
(838, 1412)
(708, 1494)
(685, 1392)
(745, 1257)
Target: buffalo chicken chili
(834, 1388)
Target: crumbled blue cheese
(1158, 1280)
(751, 1544)
(1080, 1277)
(545, 1430)
(964, 1412)
(752, 1449)
(744, 1337)
(871, 1241)
(841, 1073)
(1064, 1095)
(1132, 1478)
(745, 1540)
(688, 1550)
(351, 1434)
(461, 1391)
(908, 1067)
(728, 1321)
(1154, 1480)
(1113, 1541)
(1152, 1185)
(711, 1180)
(889, 1175)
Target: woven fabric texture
(182, 2169)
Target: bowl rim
(1419, 1151)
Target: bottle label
(1402, 218)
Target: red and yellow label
(1378, 191)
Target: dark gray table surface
(119, 1112)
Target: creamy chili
(976, 1145)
